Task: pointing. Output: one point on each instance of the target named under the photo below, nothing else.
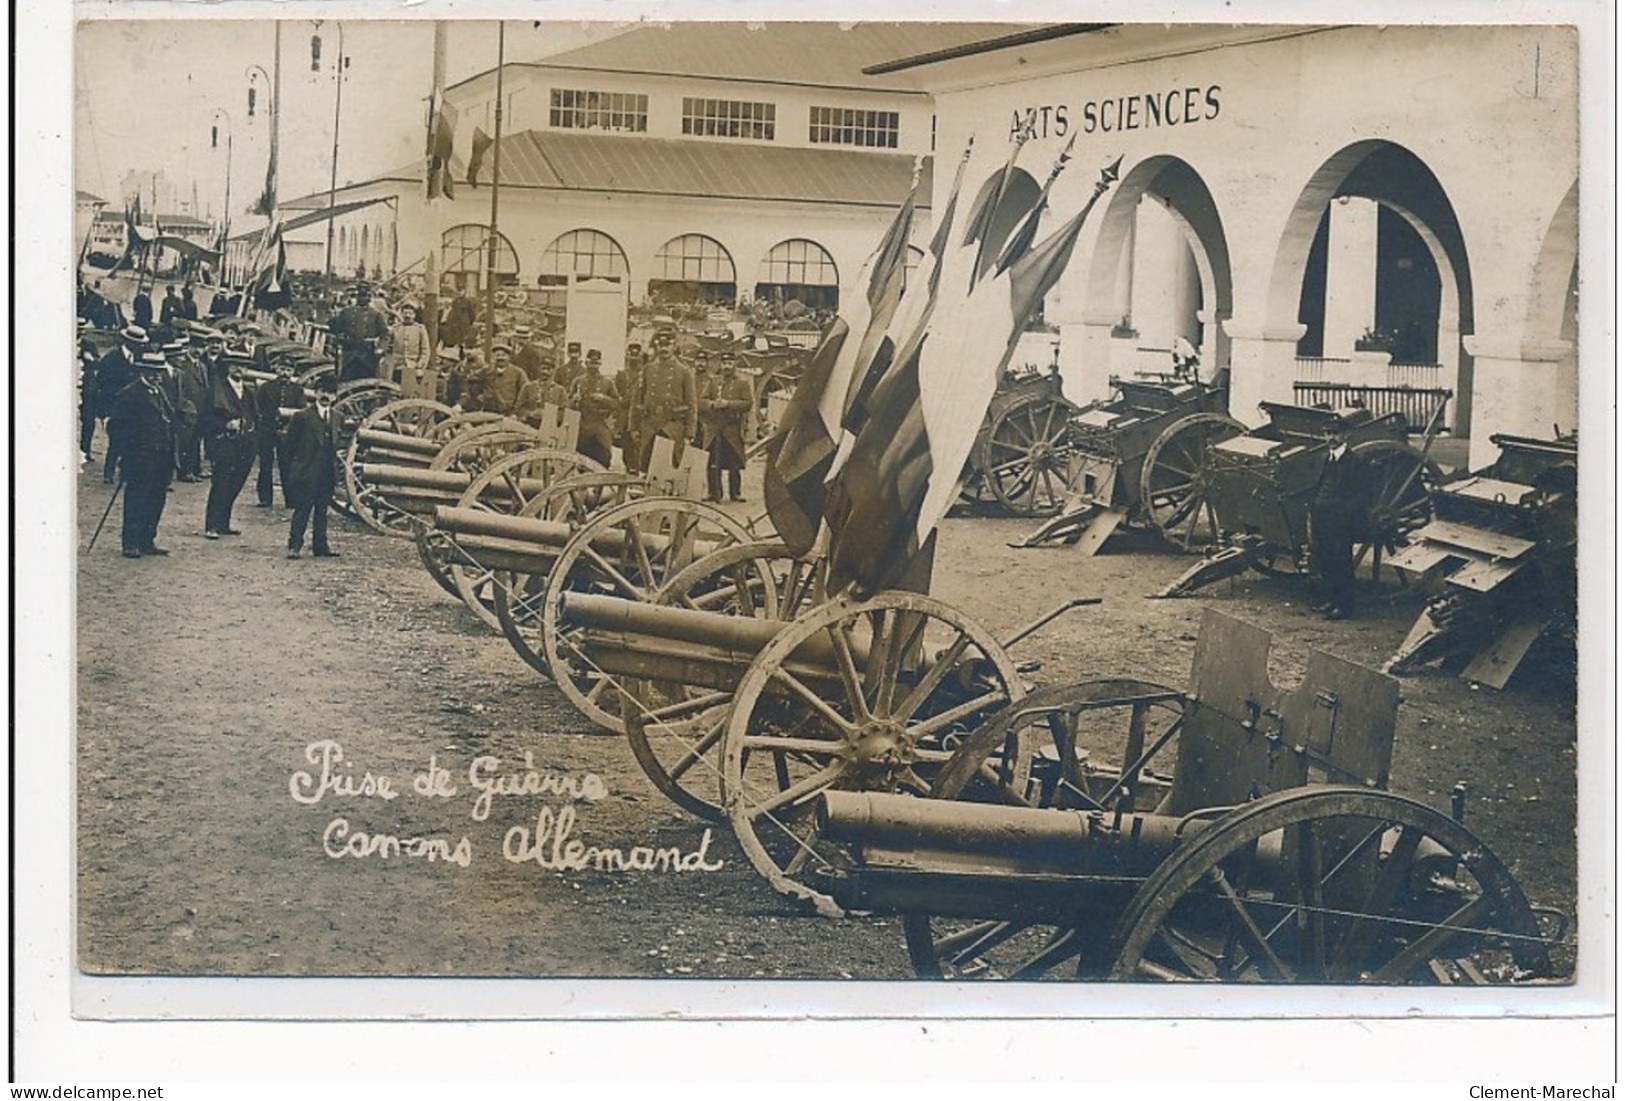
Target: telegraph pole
(333, 176)
(496, 186)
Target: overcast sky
(147, 93)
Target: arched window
(694, 268)
(463, 252)
(802, 270)
(583, 252)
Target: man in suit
(1337, 514)
(114, 371)
(192, 385)
(667, 404)
(227, 422)
(270, 396)
(142, 428)
(309, 485)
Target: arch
(1555, 280)
(464, 249)
(694, 268)
(586, 253)
(911, 263)
(1394, 177)
(1186, 198)
(799, 269)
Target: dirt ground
(208, 677)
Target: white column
(1263, 361)
(1520, 388)
(1351, 274)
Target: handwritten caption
(547, 838)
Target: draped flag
(441, 137)
(988, 213)
(801, 453)
(476, 157)
(905, 465)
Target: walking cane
(108, 511)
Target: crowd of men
(173, 394)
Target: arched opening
(464, 253)
(1160, 272)
(693, 268)
(1373, 266)
(799, 270)
(1554, 299)
(578, 254)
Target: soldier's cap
(594, 355)
(574, 347)
(135, 334)
(521, 332)
(151, 358)
(665, 337)
(634, 349)
(503, 348)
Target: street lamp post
(225, 215)
(340, 63)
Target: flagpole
(431, 278)
(496, 187)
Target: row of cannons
(1490, 554)
(888, 754)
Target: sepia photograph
(915, 501)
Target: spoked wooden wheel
(311, 376)
(629, 552)
(518, 596)
(411, 417)
(1023, 453)
(460, 422)
(1176, 493)
(676, 729)
(352, 404)
(507, 488)
(1330, 885)
(1102, 744)
(1401, 483)
(866, 696)
(475, 451)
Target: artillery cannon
(1269, 850)
(1497, 561)
(1248, 496)
(1019, 459)
(1131, 457)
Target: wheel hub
(881, 747)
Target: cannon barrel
(398, 441)
(390, 478)
(553, 534)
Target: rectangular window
(851, 126)
(724, 118)
(570, 109)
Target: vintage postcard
(1020, 502)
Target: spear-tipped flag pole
(906, 463)
(984, 218)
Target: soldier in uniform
(599, 401)
(191, 396)
(114, 371)
(571, 367)
(230, 414)
(506, 379)
(360, 331)
(667, 404)
(142, 427)
(311, 446)
(271, 396)
(409, 352)
(725, 402)
(703, 371)
(628, 430)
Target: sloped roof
(557, 160)
(824, 54)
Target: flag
(988, 212)
(801, 453)
(482, 142)
(905, 465)
(441, 137)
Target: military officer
(725, 402)
(628, 430)
(598, 400)
(667, 404)
(571, 367)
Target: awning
(188, 249)
(314, 216)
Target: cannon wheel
(1371, 887)
(550, 466)
(882, 724)
(518, 596)
(352, 404)
(309, 379)
(1022, 451)
(462, 421)
(1133, 723)
(1403, 481)
(676, 731)
(408, 417)
(691, 529)
(476, 450)
(1175, 493)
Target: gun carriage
(1131, 458)
(1247, 497)
(1497, 562)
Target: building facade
(1388, 204)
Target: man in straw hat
(142, 428)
